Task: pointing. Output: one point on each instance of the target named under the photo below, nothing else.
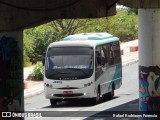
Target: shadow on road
(76, 103)
(127, 108)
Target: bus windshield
(69, 63)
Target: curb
(132, 48)
(36, 92)
(130, 63)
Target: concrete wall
(20, 14)
(140, 3)
(11, 71)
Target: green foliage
(123, 25)
(38, 72)
(26, 59)
(132, 10)
(28, 47)
(36, 40)
(43, 36)
(65, 27)
(95, 25)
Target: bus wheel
(53, 102)
(98, 98)
(111, 94)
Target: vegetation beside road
(123, 25)
(38, 72)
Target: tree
(132, 10)
(43, 35)
(65, 27)
(37, 39)
(28, 47)
(123, 25)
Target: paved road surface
(125, 100)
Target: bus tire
(111, 94)
(53, 102)
(97, 99)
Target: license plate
(67, 92)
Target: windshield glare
(69, 62)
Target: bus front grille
(69, 95)
(68, 88)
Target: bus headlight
(84, 93)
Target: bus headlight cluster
(88, 84)
(48, 85)
(84, 93)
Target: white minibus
(83, 66)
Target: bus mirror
(43, 61)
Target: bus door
(100, 61)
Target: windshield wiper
(78, 69)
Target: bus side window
(114, 55)
(98, 57)
(111, 54)
(105, 51)
(116, 50)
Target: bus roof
(97, 38)
(71, 43)
(91, 39)
(89, 36)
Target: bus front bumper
(69, 94)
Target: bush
(38, 72)
(124, 26)
(26, 60)
(28, 47)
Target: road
(126, 99)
